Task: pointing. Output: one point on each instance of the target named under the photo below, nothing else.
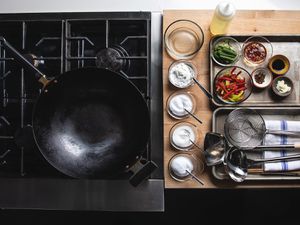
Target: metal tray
(284, 44)
(268, 113)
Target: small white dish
(261, 77)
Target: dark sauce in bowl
(278, 64)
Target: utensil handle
(276, 147)
(42, 78)
(196, 178)
(192, 115)
(275, 159)
(206, 92)
(284, 132)
(141, 172)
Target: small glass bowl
(267, 80)
(244, 74)
(184, 65)
(183, 39)
(176, 108)
(182, 161)
(257, 42)
(183, 135)
(234, 45)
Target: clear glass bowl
(257, 50)
(178, 101)
(244, 74)
(183, 135)
(230, 42)
(183, 39)
(178, 73)
(181, 161)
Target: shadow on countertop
(184, 207)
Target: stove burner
(113, 59)
(2, 157)
(4, 124)
(24, 137)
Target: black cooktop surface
(56, 43)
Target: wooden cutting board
(245, 22)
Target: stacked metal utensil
(244, 130)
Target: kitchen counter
(245, 22)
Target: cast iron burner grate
(56, 43)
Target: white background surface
(14, 6)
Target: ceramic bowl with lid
(183, 39)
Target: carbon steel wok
(90, 122)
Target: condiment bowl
(183, 39)
(236, 91)
(182, 161)
(178, 102)
(279, 64)
(178, 73)
(225, 51)
(261, 77)
(183, 136)
(257, 50)
(287, 81)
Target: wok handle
(42, 78)
(142, 173)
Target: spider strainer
(245, 128)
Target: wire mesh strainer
(245, 129)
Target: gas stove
(55, 43)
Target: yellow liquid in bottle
(219, 25)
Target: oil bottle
(222, 17)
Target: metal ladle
(215, 147)
(237, 163)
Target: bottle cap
(226, 9)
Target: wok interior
(91, 123)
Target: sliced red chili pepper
(233, 69)
(228, 94)
(239, 73)
(225, 78)
(241, 89)
(223, 87)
